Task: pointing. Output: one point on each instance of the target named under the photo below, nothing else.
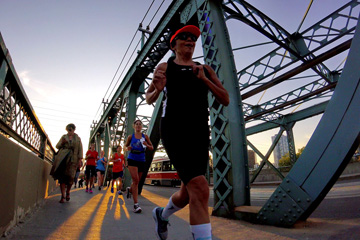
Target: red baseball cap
(188, 28)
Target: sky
(66, 53)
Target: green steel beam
(309, 64)
(97, 143)
(131, 116)
(154, 135)
(290, 118)
(231, 173)
(310, 91)
(327, 153)
(333, 26)
(265, 159)
(263, 24)
(3, 70)
(291, 141)
(107, 140)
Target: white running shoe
(137, 208)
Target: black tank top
(186, 96)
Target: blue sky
(66, 52)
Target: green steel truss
(298, 57)
(292, 48)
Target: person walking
(100, 169)
(136, 143)
(186, 84)
(117, 173)
(67, 160)
(90, 171)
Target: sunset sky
(66, 53)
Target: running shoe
(99, 188)
(86, 189)
(137, 208)
(90, 191)
(128, 193)
(119, 192)
(112, 190)
(160, 224)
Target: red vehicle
(162, 172)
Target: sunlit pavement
(106, 215)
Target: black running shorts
(138, 164)
(117, 175)
(187, 148)
(90, 171)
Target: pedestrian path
(106, 215)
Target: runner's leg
(135, 182)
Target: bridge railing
(18, 120)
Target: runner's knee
(198, 190)
(135, 180)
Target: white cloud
(24, 78)
(40, 89)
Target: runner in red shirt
(90, 171)
(118, 159)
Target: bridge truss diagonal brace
(231, 174)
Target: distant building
(281, 148)
(251, 158)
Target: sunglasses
(185, 36)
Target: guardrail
(17, 117)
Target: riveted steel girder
(327, 153)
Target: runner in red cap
(187, 29)
(186, 84)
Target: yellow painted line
(79, 219)
(96, 224)
(115, 203)
(90, 216)
(124, 208)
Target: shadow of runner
(101, 215)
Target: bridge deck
(103, 215)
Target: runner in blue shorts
(136, 143)
(100, 169)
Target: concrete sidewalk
(106, 215)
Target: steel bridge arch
(301, 190)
